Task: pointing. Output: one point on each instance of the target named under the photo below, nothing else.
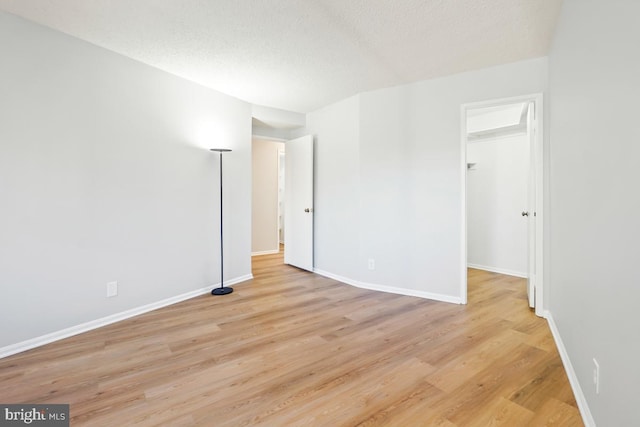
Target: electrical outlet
(596, 375)
(112, 289)
(372, 264)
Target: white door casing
(531, 208)
(536, 248)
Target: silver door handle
(525, 213)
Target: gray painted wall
(595, 147)
(105, 175)
(388, 170)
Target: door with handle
(298, 217)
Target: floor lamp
(221, 290)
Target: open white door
(298, 215)
(531, 213)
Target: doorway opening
(282, 199)
(267, 199)
(502, 191)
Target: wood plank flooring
(291, 348)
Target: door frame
(537, 100)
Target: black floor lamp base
(221, 291)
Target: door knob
(307, 210)
(525, 213)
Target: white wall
(105, 175)
(265, 196)
(595, 147)
(273, 123)
(336, 187)
(401, 178)
(497, 193)
(282, 119)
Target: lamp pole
(221, 290)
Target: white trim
(94, 324)
(390, 289)
(540, 309)
(281, 152)
(498, 270)
(463, 204)
(271, 252)
(587, 418)
(537, 99)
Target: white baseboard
(498, 270)
(275, 251)
(94, 324)
(587, 418)
(390, 289)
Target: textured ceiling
(300, 55)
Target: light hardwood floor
(291, 348)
